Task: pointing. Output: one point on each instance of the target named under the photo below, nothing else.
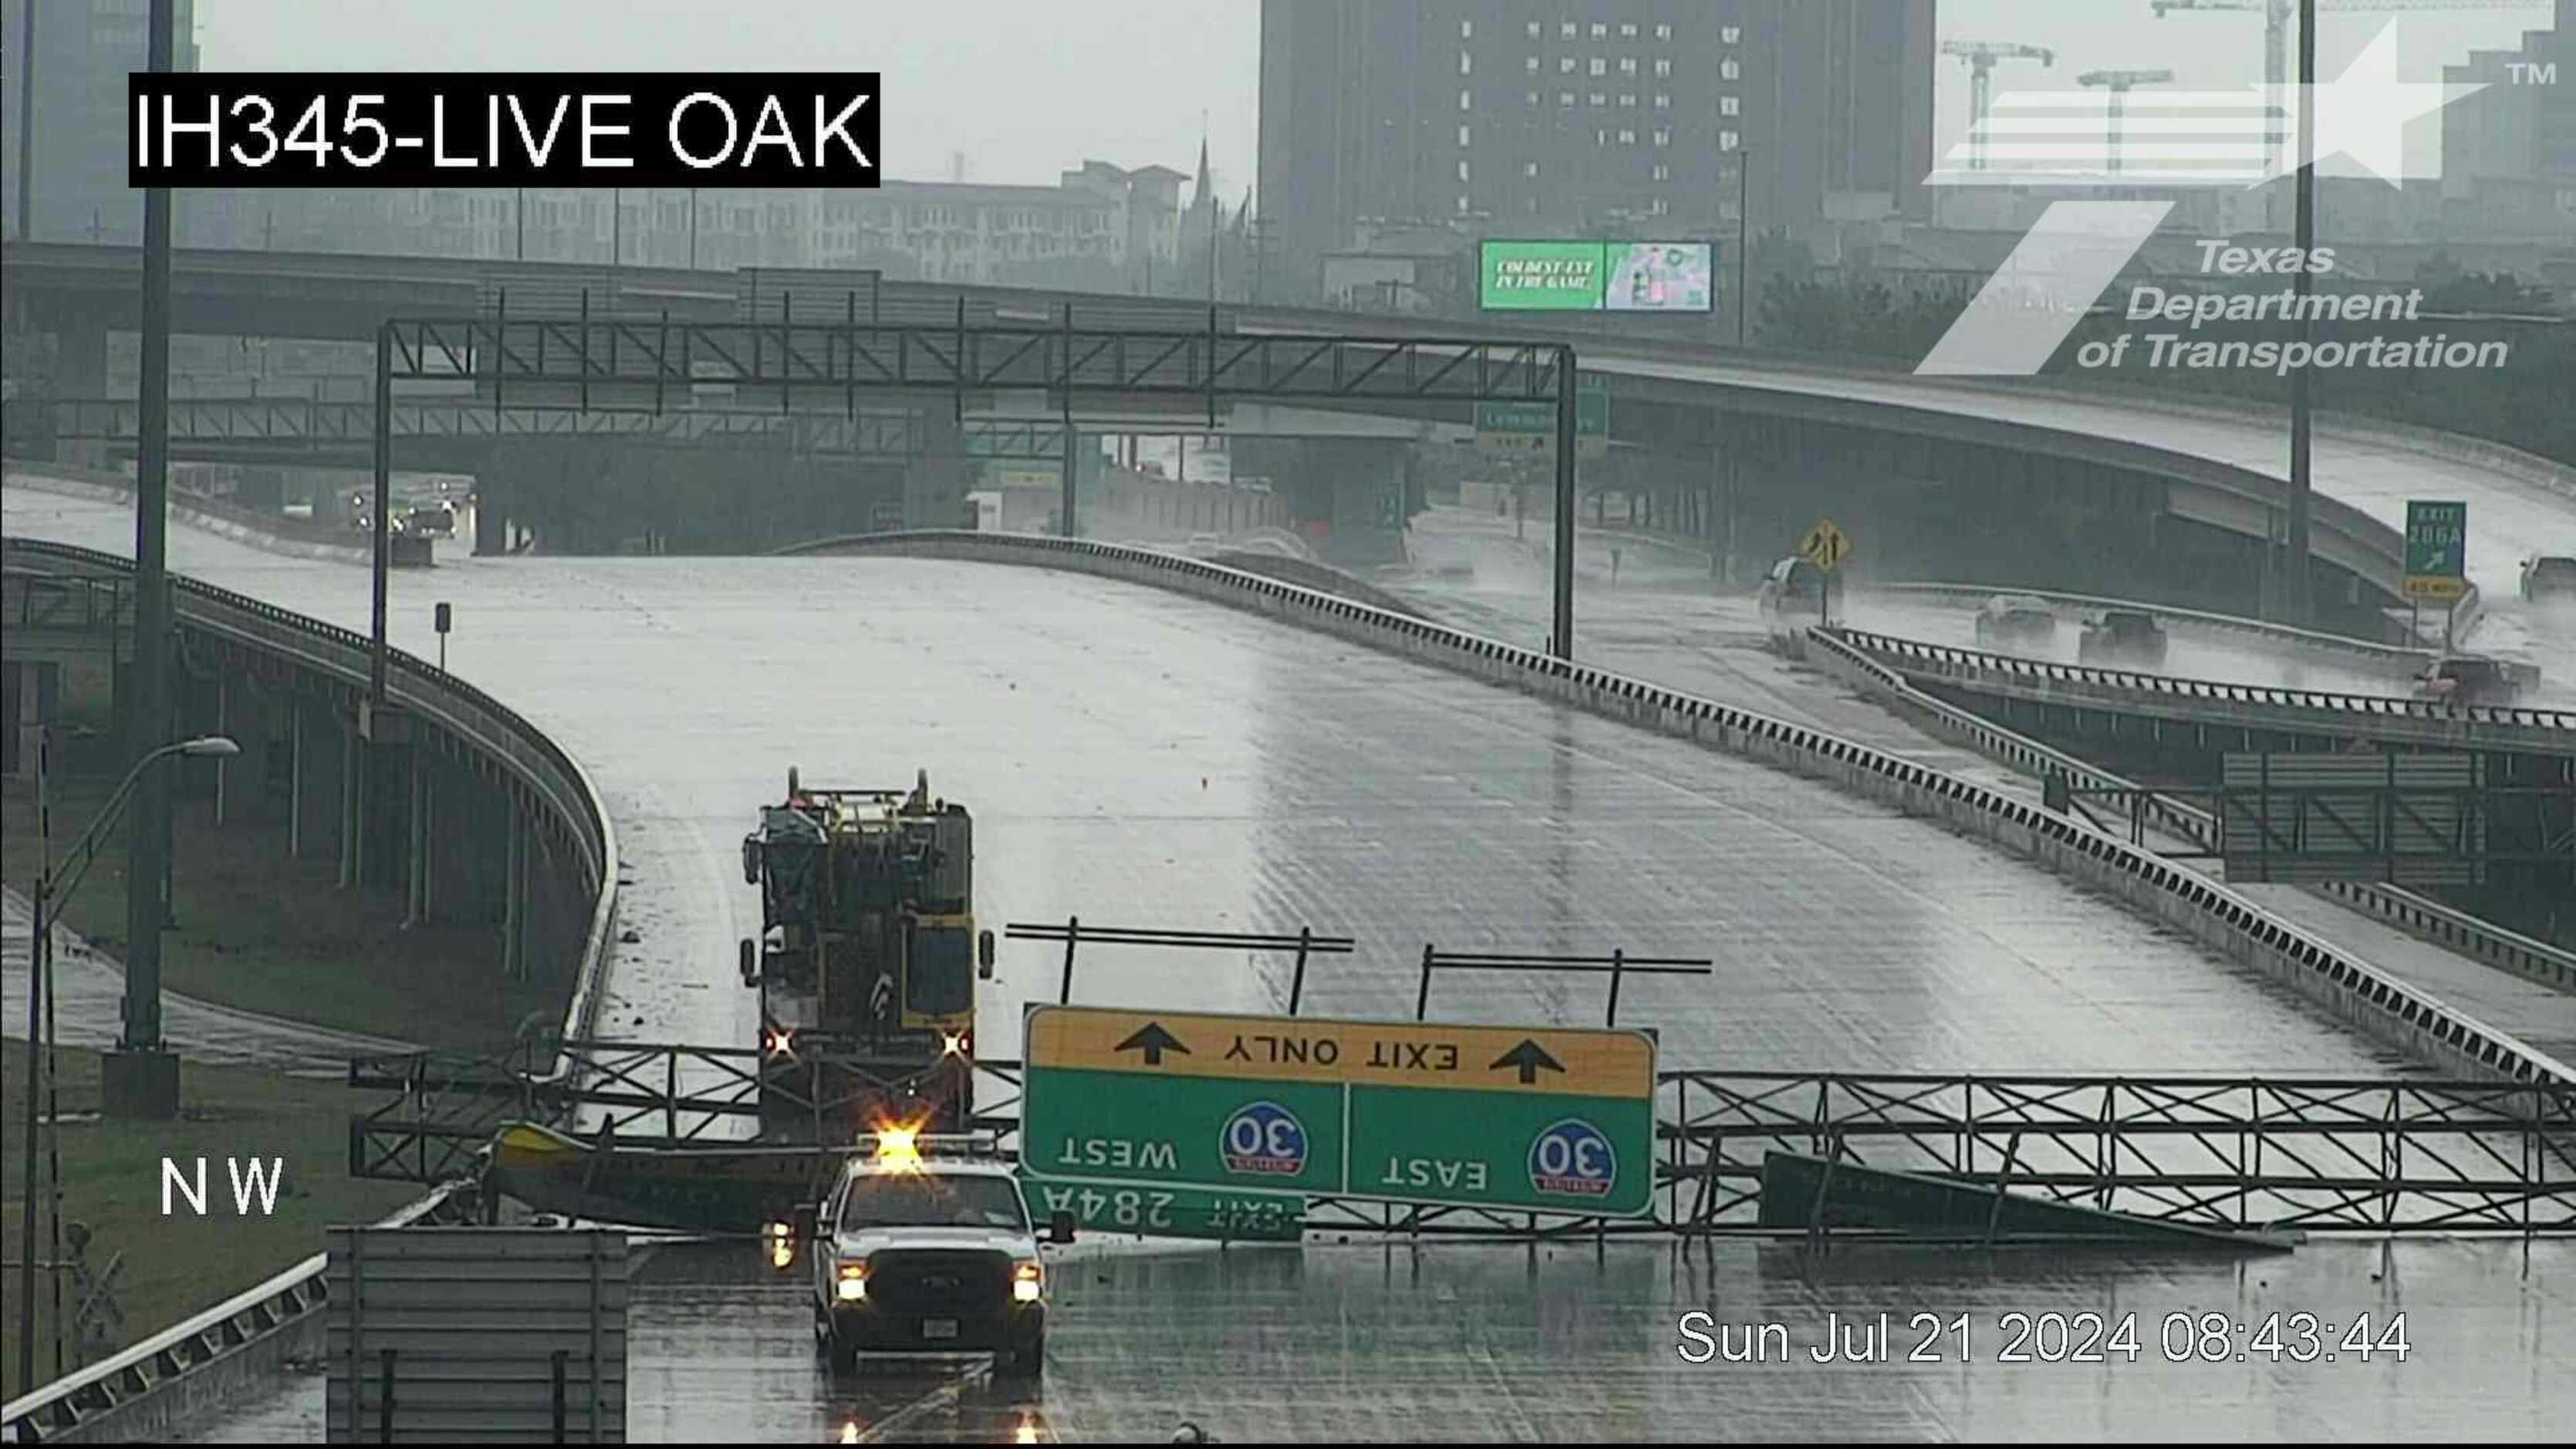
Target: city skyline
(1200, 80)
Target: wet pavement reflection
(1340, 1343)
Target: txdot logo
(1573, 1158)
(1263, 1139)
(2177, 140)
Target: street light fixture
(40, 991)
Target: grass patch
(263, 931)
(178, 1266)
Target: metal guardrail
(2316, 641)
(455, 705)
(1743, 731)
(2236, 1154)
(2490, 943)
(466, 711)
(246, 1319)
(2470, 726)
(2241, 1155)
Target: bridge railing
(2230, 1153)
(571, 805)
(578, 814)
(1952, 660)
(2395, 657)
(2235, 1154)
(2163, 812)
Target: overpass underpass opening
(626, 361)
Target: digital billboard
(1658, 277)
(1595, 276)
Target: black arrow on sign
(1153, 1041)
(1530, 1057)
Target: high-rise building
(1584, 117)
(1104, 228)
(2509, 151)
(83, 51)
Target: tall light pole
(141, 1077)
(1743, 239)
(26, 63)
(40, 992)
(2294, 573)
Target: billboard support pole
(1562, 645)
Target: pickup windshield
(926, 1200)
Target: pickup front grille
(937, 1281)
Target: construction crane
(1981, 56)
(2280, 15)
(2118, 83)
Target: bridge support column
(1732, 473)
(934, 487)
(353, 806)
(315, 808)
(458, 807)
(416, 857)
(228, 712)
(81, 367)
(295, 772)
(1364, 483)
(514, 894)
(492, 508)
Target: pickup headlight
(852, 1284)
(1028, 1281)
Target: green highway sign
(1530, 427)
(1168, 1212)
(1544, 1118)
(2437, 543)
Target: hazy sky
(1028, 88)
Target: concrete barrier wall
(2374, 1003)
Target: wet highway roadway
(1140, 758)
(1146, 759)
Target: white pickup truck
(924, 1248)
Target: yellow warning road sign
(2419, 586)
(1546, 1060)
(1825, 545)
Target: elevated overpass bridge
(2180, 476)
(342, 431)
